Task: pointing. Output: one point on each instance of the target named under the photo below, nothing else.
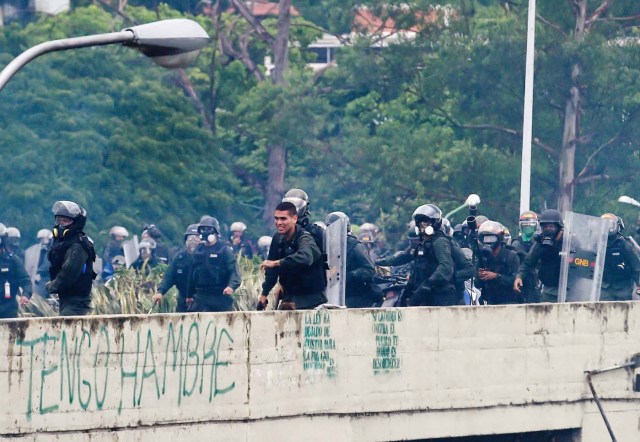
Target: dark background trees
(427, 119)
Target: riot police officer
(300, 200)
(72, 256)
(13, 242)
(544, 256)
(295, 262)
(114, 248)
(621, 266)
(179, 272)
(36, 263)
(360, 271)
(239, 240)
(13, 277)
(497, 266)
(214, 271)
(432, 277)
(527, 226)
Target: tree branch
(604, 6)
(242, 8)
(552, 25)
(629, 18)
(182, 80)
(550, 150)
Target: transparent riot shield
(335, 245)
(583, 251)
(131, 252)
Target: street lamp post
(525, 176)
(169, 43)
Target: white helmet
(238, 226)
(118, 231)
(370, 227)
(3, 230)
(44, 233)
(264, 242)
(13, 232)
(147, 243)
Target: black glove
(260, 306)
(420, 296)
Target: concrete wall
(328, 375)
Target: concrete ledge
(345, 375)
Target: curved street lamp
(171, 43)
(628, 200)
(472, 200)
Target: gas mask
(489, 243)
(208, 234)
(192, 242)
(424, 228)
(527, 231)
(549, 233)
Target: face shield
(528, 229)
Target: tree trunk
(278, 153)
(281, 45)
(573, 109)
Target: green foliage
(428, 119)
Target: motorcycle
(392, 287)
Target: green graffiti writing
(69, 362)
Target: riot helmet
(428, 219)
(446, 227)
(528, 225)
(507, 235)
(208, 228)
(63, 210)
(264, 242)
(370, 227)
(238, 226)
(551, 223)
(616, 225)
(192, 229)
(491, 233)
(13, 236)
(365, 237)
(146, 248)
(153, 231)
(320, 225)
(44, 234)
(298, 198)
(118, 231)
(335, 216)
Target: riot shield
(335, 245)
(131, 252)
(583, 251)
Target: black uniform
(12, 271)
(71, 273)
(111, 250)
(530, 286)
(214, 268)
(500, 290)
(546, 261)
(244, 247)
(43, 272)
(621, 270)
(360, 271)
(301, 272)
(432, 277)
(179, 274)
